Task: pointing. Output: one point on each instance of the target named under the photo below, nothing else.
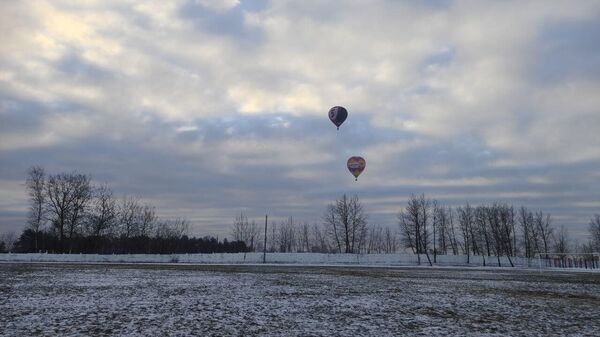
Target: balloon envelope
(338, 115)
(356, 165)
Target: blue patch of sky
(228, 23)
(18, 112)
(73, 64)
(420, 90)
(356, 133)
(566, 49)
(441, 58)
(436, 4)
(253, 5)
(464, 156)
(22, 115)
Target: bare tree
(103, 213)
(172, 229)
(499, 218)
(408, 231)
(543, 225)
(439, 230)
(561, 241)
(451, 231)
(36, 218)
(129, 216)
(82, 194)
(381, 240)
(321, 244)
(59, 191)
(286, 237)
(239, 228)
(333, 227)
(594, 230)
(253, 235)
(375, 240)
(587, 248)
(179, 227)
(147, 220)
(8, 238)
(425, 212)
(390, 241)
(466, 223)
(304, 239)
(414, 223)
(67, 196)
(494, 229)
(481, 233)
(274, 239)
(347, 224)
(507, 227)
(242, 230)
(526, 223)
(444, 236)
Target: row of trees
(128, 245)
(67, 213)
(424, 227)
(344, 231)
(492, 230)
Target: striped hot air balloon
(356, 165)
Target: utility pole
(265, 243)
(434, 246)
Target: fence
(569, 261)
(279, 258)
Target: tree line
(69, 214)
(424, 226)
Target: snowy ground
(205, 300)
(399, 259)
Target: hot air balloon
(356, 165)
(338, 115)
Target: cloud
(209, 107)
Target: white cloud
(151, 73)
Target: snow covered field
(239, 300)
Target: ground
(186, 300)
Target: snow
(275, 258)
(252, 300)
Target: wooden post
(265, 244)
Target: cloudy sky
(208, 108)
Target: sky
(206, 108)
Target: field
(205, 300)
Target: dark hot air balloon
(356, 165)
(338, 115)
